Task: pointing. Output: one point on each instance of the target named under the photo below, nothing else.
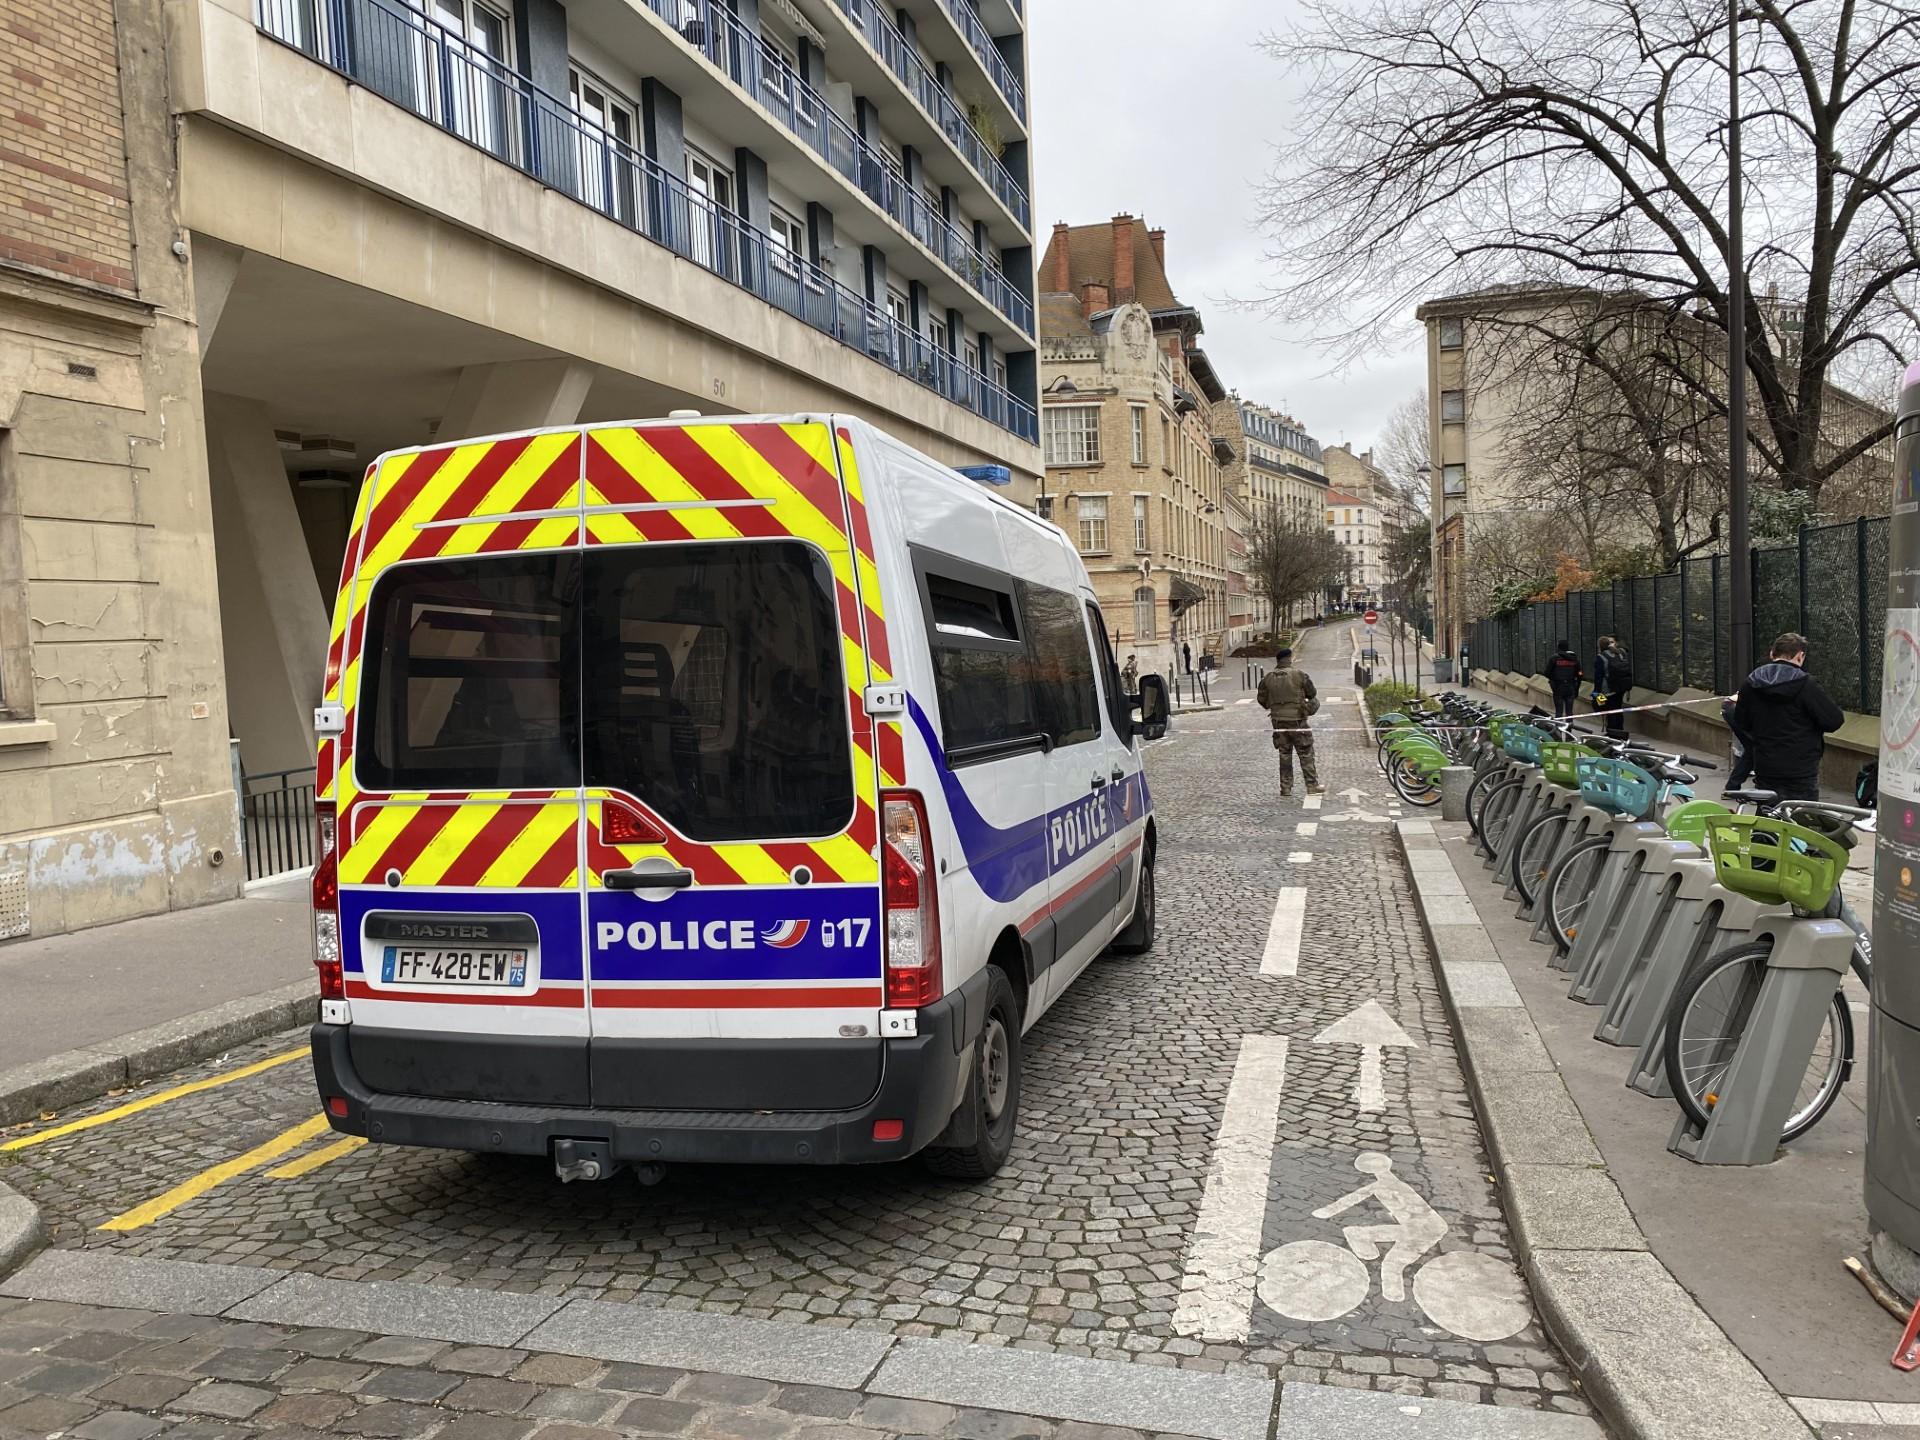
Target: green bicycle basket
(1775, 861)
(1689, 821)
(1558, 759)
(1616, 786)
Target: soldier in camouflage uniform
(1289, 698)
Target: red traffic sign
(1371, 617)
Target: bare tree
(1454, 145)
(1288, 563)
(1401, 450)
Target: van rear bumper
(921, 1081)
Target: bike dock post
(1685, 892)
(1642, 902)
(1616, 872)
(1770, 1059)
(1725, 920)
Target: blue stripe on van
(555, 912)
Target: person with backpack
(1612, 679)
(1564, 675)
(1288, 697)
(1787, 717)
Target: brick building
(247, 245)
(1134, 468)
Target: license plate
(438, 965)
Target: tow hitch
(583, 1160)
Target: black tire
(1484, 784)
(1570, 890)
(1136, 938)
(1412, 786)
(1498, 813)
(1532, 865)
(996, 1071)
(1704, 1021)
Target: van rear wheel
(992, 1103)
(1137, 937)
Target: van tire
(1137, 937)
(996, 1076)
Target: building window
(1073, 435)
(938, 333)
(1093, 524)
(1000, 374)
(1140, 523)
(1453, 404)
(899, 309)
(1139, 418)
(1453, 479)
(789, 241)
(710, 206)
(1144, 623)
(1452, 332)
(609, 165)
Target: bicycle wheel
(1411, 785)
(1710, 1012)
(1570, 890)
(1484, 784)
(1502, 806)
(1535, 860)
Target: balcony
(973, 30)
(738, 54)
(433, 73)
(900, 57)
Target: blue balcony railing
(974, 31)
(451, 83)
(900, 57)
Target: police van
(698, 789)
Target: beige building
(1133, 463)
(1277, 470)
(1354, 521)
(246, 245)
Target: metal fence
(276, 821)
(1830, 585)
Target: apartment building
(1277, 471)
(1354, 521)
(246, 245)
(1134, 467)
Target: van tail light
(912, 905)
(326, 902)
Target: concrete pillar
(540, 28)
(820, 235)
(273, 619)
(1455, 782)
(918, 306)
(874, 261)
(750, 191)
(216, 265)
(515, 395)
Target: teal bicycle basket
(1523, 742)
(1617, 786)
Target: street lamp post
(1740, 636)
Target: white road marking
(1223, 1261)
(1372, 1029)
(1307, 828)
(1300, 857)
(1312, 802)
(1282, 955)
(1247, 700)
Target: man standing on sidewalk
(1785, 718)
(1289, 698)
(1563, 679)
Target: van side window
(1059, 665)
(979, 657)
(1118, 710)
(470, 676)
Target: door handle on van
(637, 879)
(1118, 775)
(1099, 782)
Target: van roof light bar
(987, 474)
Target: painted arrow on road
(1373, 1030)
(1353, 794)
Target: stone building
(247, 245)
(1134, 468)
(1277, 471)
(1354, 521)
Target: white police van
(732, 789)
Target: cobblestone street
(1092, 1242)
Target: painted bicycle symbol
(1463, 1291)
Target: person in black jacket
(1612, 680)
(1786, 718)
(1563, 679)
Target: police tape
(1522, 714)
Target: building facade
(1278, 473)
(1134, 468)
(247, 245)
(1354, 521)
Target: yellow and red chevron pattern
(618, 485)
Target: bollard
(1455, 781)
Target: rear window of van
(704, 679)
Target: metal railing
(974, 31)
(276, 821)
(738, 53)
(900, 57)
(1830, 585)
(449, 82)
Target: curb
(60, 1081)
(1654, 1363)
(21, 1232)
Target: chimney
(1094, 297)
(1123, 258)
(1062, 281)
(1158, 240)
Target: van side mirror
(1153, 707)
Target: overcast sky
(1168, 110)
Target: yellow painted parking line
(199, 1185)
(147, 1102)
(314, 1159)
